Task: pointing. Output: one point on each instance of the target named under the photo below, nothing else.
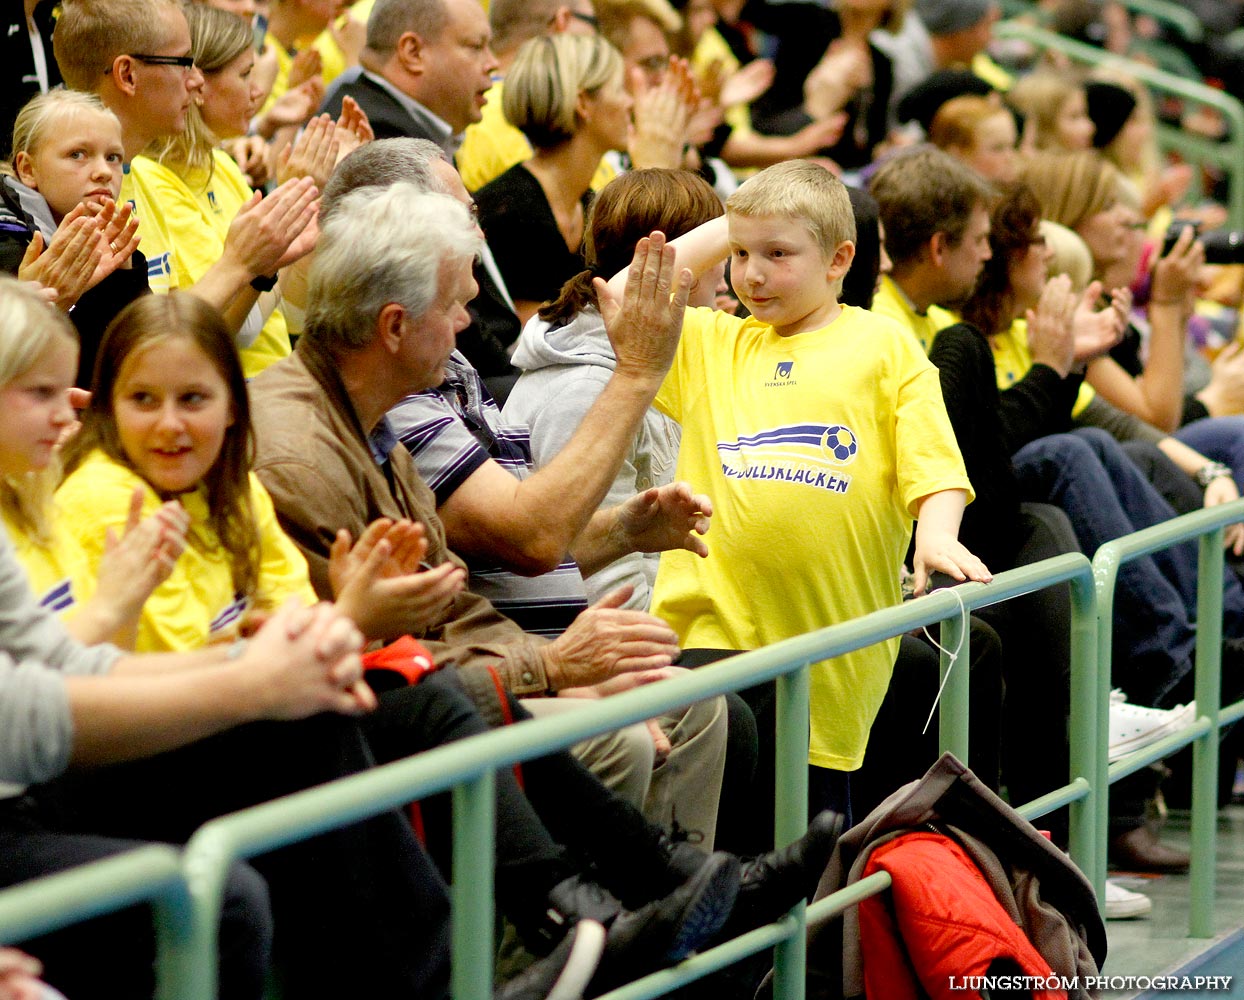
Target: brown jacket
(314, 459)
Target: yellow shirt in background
(157, 243)
(1012, 359)
(891, 302)
(197, 211)
(197, 604)
(815, 449)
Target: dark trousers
(358, 911)
(113, 955)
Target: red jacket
(939, 922)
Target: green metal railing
(1226, 155)
(188, 897)
(1203, 734)
(152, 874)
(467, 766)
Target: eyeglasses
(1038, 241)
(588, 19)
(185, 62)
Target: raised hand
(69, 262)
(265, 234)
(313, 155)
(666, 517)
(645, 326)
(383, 585)
(1051, 338)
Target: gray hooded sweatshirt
(564, 370)
(36, 728)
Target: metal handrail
(1227, 155)
(152, 873)
(468, 765)
(1203, 732)
(188, 895)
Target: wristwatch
(1210, 471)
(264, 282)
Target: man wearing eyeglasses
(135, 54)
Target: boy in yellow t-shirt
(820, 432)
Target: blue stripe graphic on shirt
(59, 597)
(231, 613)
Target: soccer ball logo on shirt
(840, 444)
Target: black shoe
(565, 973)
(657, 934)
(774, 882)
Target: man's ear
(936, 248)
(840, 263)
(390, 326)
(21, 166)
(121, 72)
(410, 52)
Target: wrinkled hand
(747, 83)
(1220, 491)
(250, 152)
(380, 584)
(1098, 330)
(666, 517)
(19, 976)
(270, 233)
(313, 155)
(942, 552)
(607, 640)
(304, 661)
(1175, 276)
(644, 328)
(1051, 340)
(142, 557)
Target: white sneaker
(1133, 727)
(1123, 904)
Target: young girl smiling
(170, 415)
(38, 355)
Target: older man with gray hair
(524, 549)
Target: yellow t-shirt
(1012, 359)
(284, 60)
(156, 241)
(892, 303)
(332, 58)
(197, 603)
(60, 573)
(815, 449)
(710, 49)
(197, 212)
(492, 145)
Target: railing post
(1086, 667)
(1106, 573)
(1205, 750)
(952, 720)
(791, 817)
(472, 890)
(174, 931)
